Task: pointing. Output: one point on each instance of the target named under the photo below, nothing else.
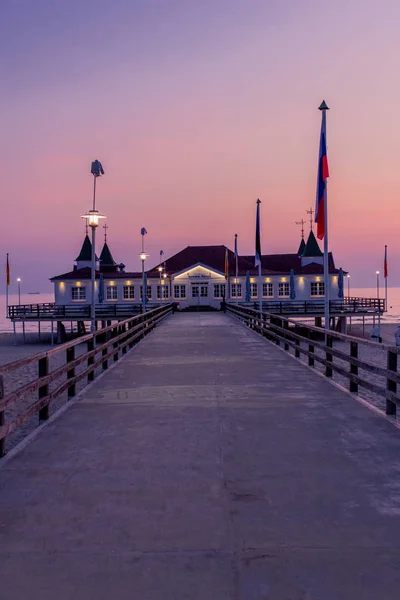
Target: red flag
(323, 174)
(8, 271)
(226, 263)
(385, 267)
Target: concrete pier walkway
(207, 465)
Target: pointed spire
(86, 250)
(312, 250)
(106, 259)
(302, 247)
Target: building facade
(200, 276)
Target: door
(199, 295)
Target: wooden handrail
(103, 345)
(302, 338)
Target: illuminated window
(318, 288)
(78, 293)
(236, 290)
(162, 292)
(219, 290)
(268, 290)
(112, 292)
(129, 292)
(148, 293)
(283, 290)
(180, 291)
(254, 290)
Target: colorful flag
(323, 174)
(236, 256)
(257, 258)
(385, 267)
(226, 263)
(8, 271)
(97, 168)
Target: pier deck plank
(206, 465)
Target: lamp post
(348, 287)
(19, 291)
(143, 257)
(379, 308)
(93, 216)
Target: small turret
(107, 263)
(312, 252)
(302, 247)
(85, 256)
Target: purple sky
(196, 109)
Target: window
(203, 291)
(195, 291)
(283, 290)
(317, 288)
(129, 292)
(162, 292)
(268, 290)
(254, 290)
(219, 290)
(112, 292)
(180, 291)
(148, 293)
(236, 290)
(78, 293)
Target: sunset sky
(195, 109)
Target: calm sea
(393, 314)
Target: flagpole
(7, 284)
(236, 268)
(386, 276)
(258, 253)
(323, 108)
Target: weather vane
(302, 223)
(311, 212)
(86, 226)
(105, 227)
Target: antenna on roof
(311, 212)
(302, 223)
(105, 227)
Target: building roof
(86, 272)
(282, 263)
(210, 256)
(302, 247)
(86, 250)
(106, 256)
(312, 249)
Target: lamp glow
(93, 217)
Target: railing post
(353, 368)
(310, 349)
(90, 347)
(391, 386)
(44, 389)
(2, 419)
(115, 345)
(297, 342)
(286, 326)
(71, 372)
(329, 357)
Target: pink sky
(195, 110)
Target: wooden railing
(54, 311)
(101, 347)
(317, 346)
(317, 307)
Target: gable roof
(283, 263)
(209, 256)
(312, 249)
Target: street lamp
(19, 291)
(143, 257)
(379, 308)
(93, 217)
(348, 286)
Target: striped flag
(385, 266)
(323, 174)
(226, 263)
(257, 258)
(8, 271)
(236, 256)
